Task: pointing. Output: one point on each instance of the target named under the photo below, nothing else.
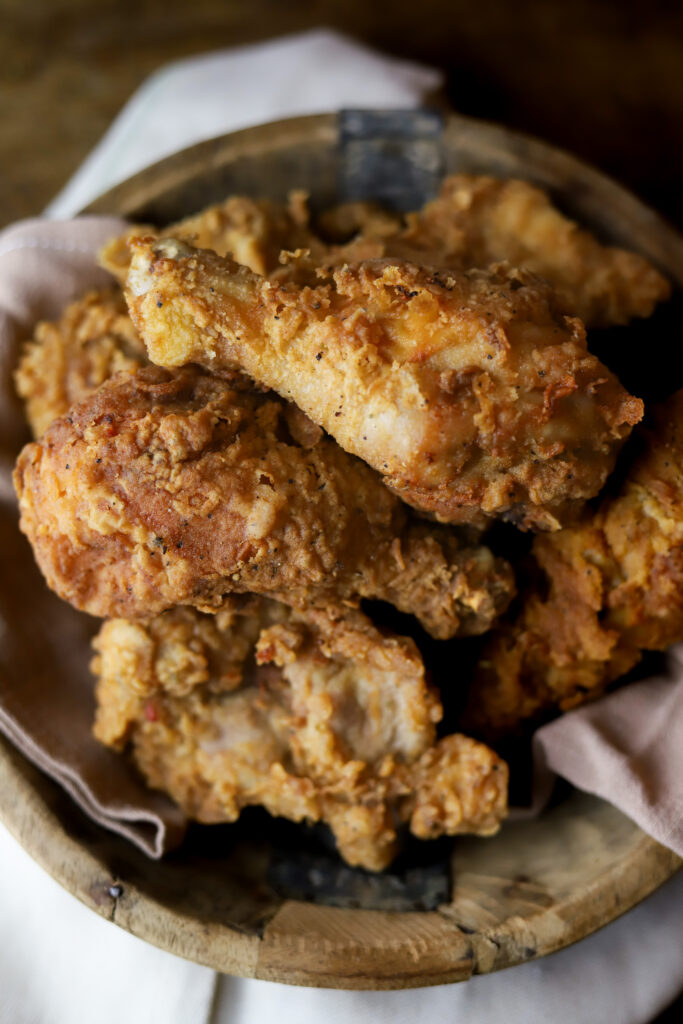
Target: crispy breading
(252, 231)
(470, 394)
(607, 589)
(164, 489)
(315, 716)
(68, 359)
(477, 220)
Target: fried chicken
(606, 590)
(475, 221)
(469, 393)
(479, 220)
(253, 232)
(164, 489)
(95, 337)
(67, 360)
(315, 716)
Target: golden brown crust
(314, 715)
(355, 221)
(164, 489)
(469, 393)
(68, 359)
(614, 587)
(252, 231)
(475, 221)
(478, 220)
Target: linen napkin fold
(626, 748)
(46, 691)
(201, 97)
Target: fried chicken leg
(469, 393)
(164, 489)
(607, 589)
(314, 716)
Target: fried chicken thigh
(479, 220)
(315, 716)
(164, 489)
(606, 589)
(470, 394)
(69, 359)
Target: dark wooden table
(602, 79)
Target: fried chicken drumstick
(315, 716)
(609, 588)
(164, 489)
(469, 393)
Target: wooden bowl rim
(309, 944)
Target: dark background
(602, 79)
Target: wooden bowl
(537, 886)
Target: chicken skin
(69, 359)
(95, 337)
(606, 589)
(253, 232)
(470, 394)
(315, 716)
(475, 221)
(164, 489)
(479, 220)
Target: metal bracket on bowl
(395, 156)
(304, 865)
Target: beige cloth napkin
(46, 691)
(627, 748)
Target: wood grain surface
(599, 78)
(537, 886)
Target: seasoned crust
(477, 220)
(68, 359)
(252, 231)
(178, 488)
(470, 393)
(313, 714)
(608, 588)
